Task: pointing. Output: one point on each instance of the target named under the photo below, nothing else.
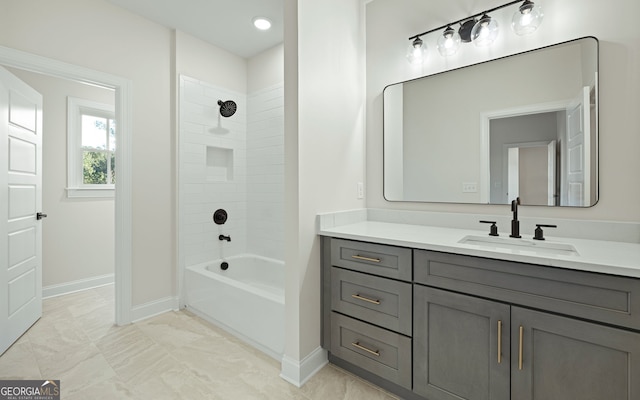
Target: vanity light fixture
(481, 29)
(449, 42)
(527, 19)
(417, 51)
(485, 31)
(465, 30)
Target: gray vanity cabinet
(460, 346)
(472, 348)
(367, 308)
(564, 358)
(441, 326)
(551, 356)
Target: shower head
(227, 108)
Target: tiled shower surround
(234, 163)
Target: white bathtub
(247, 299)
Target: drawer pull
(368, 300)
(499, 341)
(520, 348)
(375, 260)
(357, 345)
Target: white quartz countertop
(616, 258)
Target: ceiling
(224, 23)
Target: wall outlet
(470, 187)
(360, 190)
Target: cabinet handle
(499, 341)
(520, 348)
(357, 345)
(375, 260)
(368, 300)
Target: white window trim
(75, 187)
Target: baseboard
(76, 286)
(153, 308)
(299, 372)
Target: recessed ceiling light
(262, 23)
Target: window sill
(95, 193)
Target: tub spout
(223, 237)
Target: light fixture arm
(465, 19)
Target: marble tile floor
(175, 355)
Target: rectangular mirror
(523, 126)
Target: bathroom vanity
(441, 319)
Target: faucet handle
(538, 234)
(493, 228)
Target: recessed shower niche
(219, 164)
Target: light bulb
(416, 52)
(485, 31)
(527, 19)
(449, 42)
(262, 23)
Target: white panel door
(551, 173)
(577, 175)
(20, 202)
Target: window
(91, 138)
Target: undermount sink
(524, 245)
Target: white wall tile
(254, 197)
(265, 172)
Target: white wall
(78, 234)
(205, 62)
(324, 136)
(391, 22)
(129, 46)
(265, 69)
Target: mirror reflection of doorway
(530, 169)
(532, 173)
(569, 126)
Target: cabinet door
(560, 358)
(456, 344)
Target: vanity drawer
(384, 353)
(380, 301)
(598, 297)
(378, 259)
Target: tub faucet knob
(223, 237)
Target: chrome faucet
(515, 224)
(223, 237)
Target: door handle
(368, 300)
(375, 260)
(40, 215)
(520, 347)
(499, 341)
(357, 345)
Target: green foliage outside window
(95, 168)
